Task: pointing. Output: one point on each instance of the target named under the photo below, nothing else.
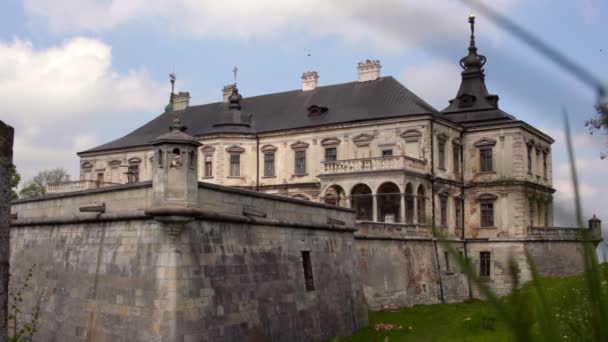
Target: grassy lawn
(477, 321)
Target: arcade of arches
(388, 204)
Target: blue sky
(78, 73)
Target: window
(191, 159)
(458, 212)
(484, 264)
(268, 164)
(100, 179)
(308, 276)
(529, 159)
(441, 147)
(456, 156)
(331, 154)
(387, 153)
(485, 159)
(160, 158)
(446, 256)
(300, 162)
(443, 204)
(538, 162)
(133, 173)
(208, 165)
(487, 214)
(235, 165)
(545, 165)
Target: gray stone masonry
(6, 161)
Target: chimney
(369, 70)
(309, 80)
(227, 91)
(181, 100)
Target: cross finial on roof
(472, 22)
(172, 79)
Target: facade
(287, 216)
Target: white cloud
(54, 97)
(436, 82)
(388, 24)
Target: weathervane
(235, 71)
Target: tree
(6, 173)
(599, 123)
(37, 186)
(16, 178)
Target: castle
(287, 216)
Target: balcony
(371, 229)
(373, 164)
(564, 233)
(78, 185)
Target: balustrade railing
(385, 229)
(78, 185)
(373, 164)
(563, 232)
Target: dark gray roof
(347, 102)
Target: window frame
(328, 156)
(458, 207)
(485, 264)
(300, 162)
(441, 153)
(443, 210)
(486, 164)
(207, 165)
(236, 161)
(456, 153)
(482, 215)
(269, 164)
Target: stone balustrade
(78, 185)
(564, 233)
(371, 229)
(373, 164)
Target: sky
(78, 73)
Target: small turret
(175, 181)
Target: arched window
(160, 158)
(335, 195)
(362, 202)
(389, 202)
(421, 202)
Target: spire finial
(472, 22)
(172, 79)
(177, 124)
(235, 71)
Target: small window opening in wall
(484, 264)
(191, 159)
(308, 277)
(446, 255)
(160, 158)
(387, 153)
(177, 158)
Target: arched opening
(362, 202)
(421, 202)
(409, 203)
(335, 195)
(389, 202)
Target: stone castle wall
(235, 273)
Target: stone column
(403, 208)
(6, 162)
(375, 207)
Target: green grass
(566, 297)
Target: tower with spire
(473, 102)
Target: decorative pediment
(235, 149)
(208, 149)
(363, 139)
(317, 110)
(411, 135)
(330, 142)
(298, 145)
(268, 148)
(487, 197)
(443, 136)
(134, 160)
(485, 142)
(112, 163)
(457, 141)
(87, 166)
